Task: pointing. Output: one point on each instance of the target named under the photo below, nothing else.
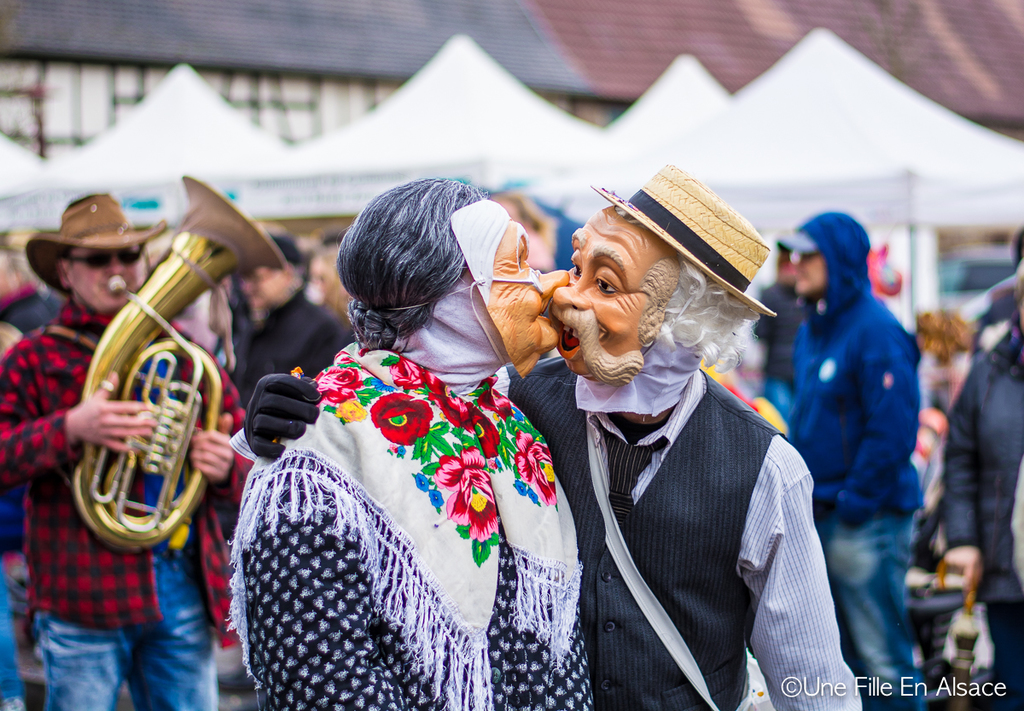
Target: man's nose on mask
(552, 283)
(569, 297)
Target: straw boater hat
(702, 227)
(92, 222)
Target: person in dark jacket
(854, 422)
(24, 303)
(283, 330)
(983, 458)
(778, 334)
(1003, 305)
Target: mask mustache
(609, 369)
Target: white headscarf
(479, 228)
(460, 344)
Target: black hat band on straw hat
(690, 240)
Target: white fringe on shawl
(405, 592)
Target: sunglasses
(797, 257)
(98, 260)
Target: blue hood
(844, 245)
(855, 417)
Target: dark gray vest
(684, 535)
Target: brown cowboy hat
(702, 228)
(92, 222)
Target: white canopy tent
(826, 129)
(19, 165)
(183, 127)
(461, 116)
(682, 98)
(823, 129)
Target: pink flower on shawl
(339, 385)
(472, 503)
(533, 462)
(408, 375)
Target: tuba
(214, 240)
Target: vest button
(495, 675)
(607, 577)
(609, 626)
(606, 684)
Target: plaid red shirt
(71, 574)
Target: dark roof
(965, 54)
(387, 39)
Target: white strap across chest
(649, 604)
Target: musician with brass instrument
(127, 563)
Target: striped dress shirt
(795, 634)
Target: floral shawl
(422, 475)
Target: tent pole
(912, 236)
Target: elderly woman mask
(515, 296)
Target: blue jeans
(169, 664)
(10, 683)
(867, 567)
(780, 394)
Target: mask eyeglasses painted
(496, 250)
(533, 280)
(519, 295)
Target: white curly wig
(705, 317)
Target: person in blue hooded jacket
(854, 422)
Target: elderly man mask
(622, 279)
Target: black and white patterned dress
(316, 643)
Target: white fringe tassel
(546, 601)
(405, 592)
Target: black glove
(281, 407)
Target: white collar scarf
(658, 386)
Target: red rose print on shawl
(472, 502)
(533, 462)
(401, 418)
(486, 432)
(410, 376)
(494, 401)
(455, 409)
(339, 385)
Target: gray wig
(400, 257)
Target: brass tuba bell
(214, 240)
